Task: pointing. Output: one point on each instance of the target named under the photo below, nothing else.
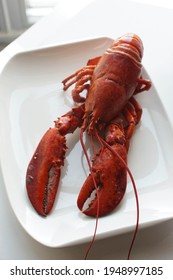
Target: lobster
(108, 113)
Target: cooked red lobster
(109, 114)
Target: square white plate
(31, 98)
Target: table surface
(82, 20)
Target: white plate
(31, 99)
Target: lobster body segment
(115, 79)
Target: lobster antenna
(134, 188)
(96, 188)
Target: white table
(82, 20)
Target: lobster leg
(132, 113)
(137, 110)
(44, 169)
(80, 78)
(109, 170)
(142, 85)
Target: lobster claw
(109, 174)
(43, 172)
